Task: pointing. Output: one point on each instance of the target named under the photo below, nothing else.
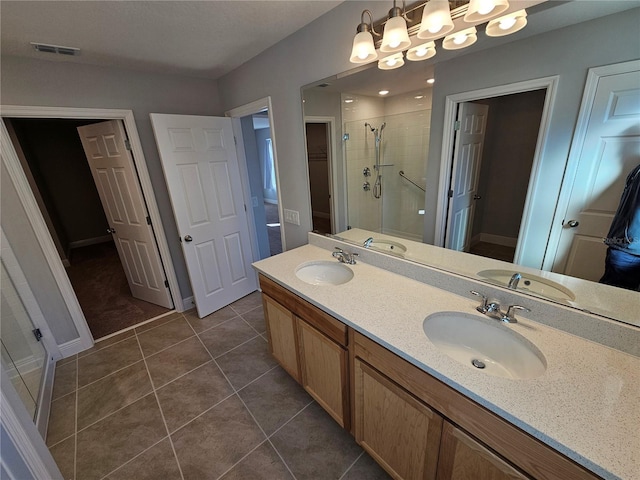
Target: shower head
(382, 126)
(370, 126)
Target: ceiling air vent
(60, 50)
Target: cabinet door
(323, 368)
(401, 433)
(281, 329)
(463, 458)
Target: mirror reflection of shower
(377, 133)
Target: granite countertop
(586, 404)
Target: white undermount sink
(531, 284)
(323, 272)
(388, 246)
(484, 344)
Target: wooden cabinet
(401, 433)
(281, 330)
(311, 346)
(323, 366)
(412, 424)
(463, 458)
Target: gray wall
(64, 84)
(604, 41)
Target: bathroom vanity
(360, 349)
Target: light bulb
(421, 52)
(392, 61)
(485, 7)
(459, 39)
(435, 27)
(507, 23)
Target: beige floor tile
(255, 318)
(100, 344)
(65, 380)
(366, 468)
(247, 362)
(215, 441)
(111, 393)
(115, 440)
(247, 303)
(226, 336)
(62, 361)
(157, 463)
(261, 464)
(108, 360)
(62, 419)
(159, 338)
(187, 397)
(177, 360)
(64, 453)
(158, 322)
(216, 318)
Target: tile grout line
(231, 349)
(351, 466)
(155, 394)
(132, 459)
(108, 375)
(213, 326)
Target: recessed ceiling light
(349, 100)
(383, 92)
(431, 81)
(418, 97)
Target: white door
(609, 151)
(201, 168)
(467, 156)
(121, 196)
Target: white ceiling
(196, 38)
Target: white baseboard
(270, 201)
(73, 346)
(496, 239)
(90, 241)
(187, 304)
(66, 262)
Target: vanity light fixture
(364, 50)
(396, 36)
(436, 20)
(508, 24)
(421, 52)
(405, 37)
(431, 81)
(391, 62)
(383, 92)
(349, 100)
(459, 40)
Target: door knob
(188, 238)
(111, 230)
(573, 223)
(477, 197)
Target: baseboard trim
(321, 214)
(72, 347)
(90, 241)
(187, 304)
(497, 239)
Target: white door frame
(588, 97)
(236, 114)
(36, 220)
(446, 159)
(333, 168)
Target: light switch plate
(292, 216)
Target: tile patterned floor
(189, 398)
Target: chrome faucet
(367, 243)
(513, 283)
(345, 257)
(492, 309)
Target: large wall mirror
(479, 152)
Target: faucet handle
(510, 316)
(482, 308)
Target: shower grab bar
(411, 181)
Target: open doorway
(258, 147)
(319, 164)
(521, 143)
(53, 158)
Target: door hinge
(450, 193)
(456, 125)
(148, 220)
(166, 283)
(37, 333)
(127, 144)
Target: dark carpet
(101, 286)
